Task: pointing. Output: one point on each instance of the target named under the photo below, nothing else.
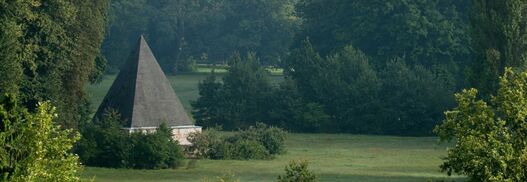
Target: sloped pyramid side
(142, 93)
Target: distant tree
(207, 109)
(33, 148)
(293, 112)
(345, 84)
(240, 100)
(420, 31)
(297, 172)
(412, 99)
(178, 30)
(491, 137)
(499, 40)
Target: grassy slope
(334, 157)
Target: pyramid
(142, 94)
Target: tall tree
(499, 35)
(51, 50)
(240, 100)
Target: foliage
(48, 52)
(498, 33)
(239, 100)
(297, 172)
(178, 30)
(155, 150)
(357, 97)
(105, 144)
(258, 142)
(272, 138)
(292, 112)
(490, 136)
(420, 31)
(33, 147)
(412, 99)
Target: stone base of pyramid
(179, 133)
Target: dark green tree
(499, 36)
(412, 99)
(50, 52)
(240, 100)
(427, 32)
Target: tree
(50, 52)
(33, 148)
(499, 39)
(420, 31)
(491, 137)
(240, 100)
(412, 99)
(208, 29)
(345, 84)
(297, 172)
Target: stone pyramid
(142, 94)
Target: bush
(155, 150)
(105, 144)
(271, 138)
(258, 142)
(297, 172)
(245, 149)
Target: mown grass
(334, 157)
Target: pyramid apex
(142, 93)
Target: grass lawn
(334, 157)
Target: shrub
(257, 142)
(155, 150)
(245, 149)
(106, 144)
(271, 138)
(297, 172)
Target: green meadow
(333, 157)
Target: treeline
(371, 67)
(339, 93)
(208, 31)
